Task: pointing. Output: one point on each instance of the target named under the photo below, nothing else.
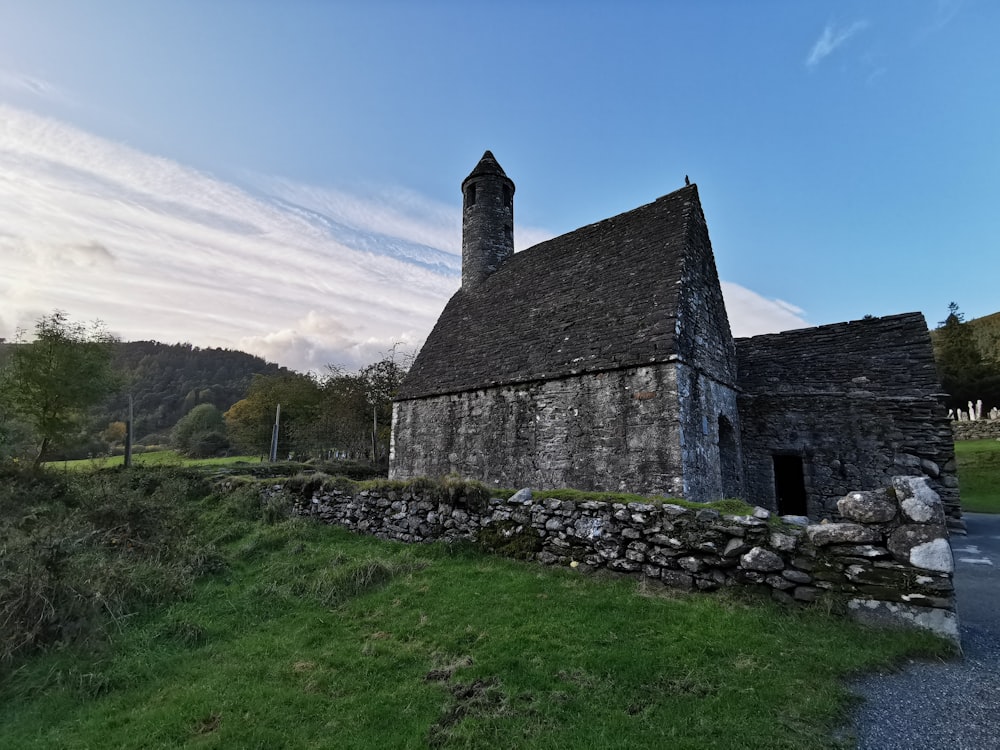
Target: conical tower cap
(488, 165)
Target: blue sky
(284, 177)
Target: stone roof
(890, 356)
(487, 165)
(599, 298)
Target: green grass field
(153, 458)
(312, 637)
(979, 475)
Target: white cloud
(301, 275)
(161, 251)
(751, 314)
(831, 39)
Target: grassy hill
(266, 630)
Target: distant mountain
(167, 380)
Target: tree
(115, 432)
(250, 419)
(382, 380)
(201, 432)
(965, 375)
(54, 379)
(343, 423)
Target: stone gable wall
(887, 558)
(704, 340)
(702, 401)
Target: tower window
(506, 195)
(472, 194)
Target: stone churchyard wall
(980, 429)
(887, 557)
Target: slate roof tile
(889, 356)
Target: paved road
(953, 705)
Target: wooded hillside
(168, 380)
(986, 334)
(968, 359)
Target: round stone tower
(487, 221)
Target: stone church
(603, 360)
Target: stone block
(677, 579)
(870, 551)
(797, 576)
(822, 534)
(778, 582)
(805, 593)
(895, 614)
(919, 502)
(782, 596)
(691, 564)
(735, 547)
(783, 542)
(762, 559)
(875, 506)
(923, 547)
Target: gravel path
(947, 705)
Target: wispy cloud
(944, 13)
(299, 274)
(832, 38)
(22, 83)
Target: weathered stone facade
(857, 402)
(603, 360)
(886, 559)
(623, 430)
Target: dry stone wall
(980, 429)
(887, 557)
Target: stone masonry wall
(980, 429)
(611, 431)
(703, 400)
(648, 430)
(847, 441)
(888, 557)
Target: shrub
(83, 551)
(201, 432)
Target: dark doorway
(790, 485)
